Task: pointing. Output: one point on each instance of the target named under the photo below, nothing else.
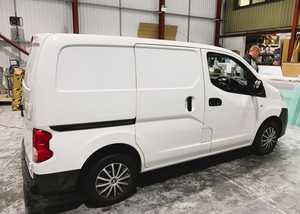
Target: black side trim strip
(93, 125)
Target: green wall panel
(264, 16)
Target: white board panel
(98, 20)
(235, 43)
(203, 8)
(177, 6)
(182, 26)
(101, 2)
(141, 4)
(202, 31)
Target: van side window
(229, 74)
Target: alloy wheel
(113, 180)
(269, 138)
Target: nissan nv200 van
(99, 110)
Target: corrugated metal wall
(42, 16)
(39, 16)
(91, 22)
(265, 16)
(106, 17)
(7, 9)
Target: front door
(170, 104)
(230, 111)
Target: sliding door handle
(214, 101)
(189, 103)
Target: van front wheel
(266, 138)
(111, 180)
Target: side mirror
(257, 84)
(258, 89)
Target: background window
(242, 3)
(228, 74)
(258, 1)
(245, 3)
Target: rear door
(170, 104)
(27, 98)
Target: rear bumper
(284, 119)
(50, 193)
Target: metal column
(218, 23)
(75, 16)
(161, 23)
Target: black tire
(98, 197)
(262, 146)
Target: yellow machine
(17, 88)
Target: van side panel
(72, 148)
(92, 84)
(84, 84)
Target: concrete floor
(235, 182)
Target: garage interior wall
(39, 16)
(5, 52)
(105, 17)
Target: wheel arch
(117, 148)
(274, 118)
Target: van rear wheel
(111, 180)
(266, 138)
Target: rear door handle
(214, 101)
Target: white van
(99, 110)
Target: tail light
(41, 150)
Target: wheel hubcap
(268, 138)
(112, 180)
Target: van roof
(73, 39)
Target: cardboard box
(295, 57)
(149, 30)
(285, 50)
(291, 69)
